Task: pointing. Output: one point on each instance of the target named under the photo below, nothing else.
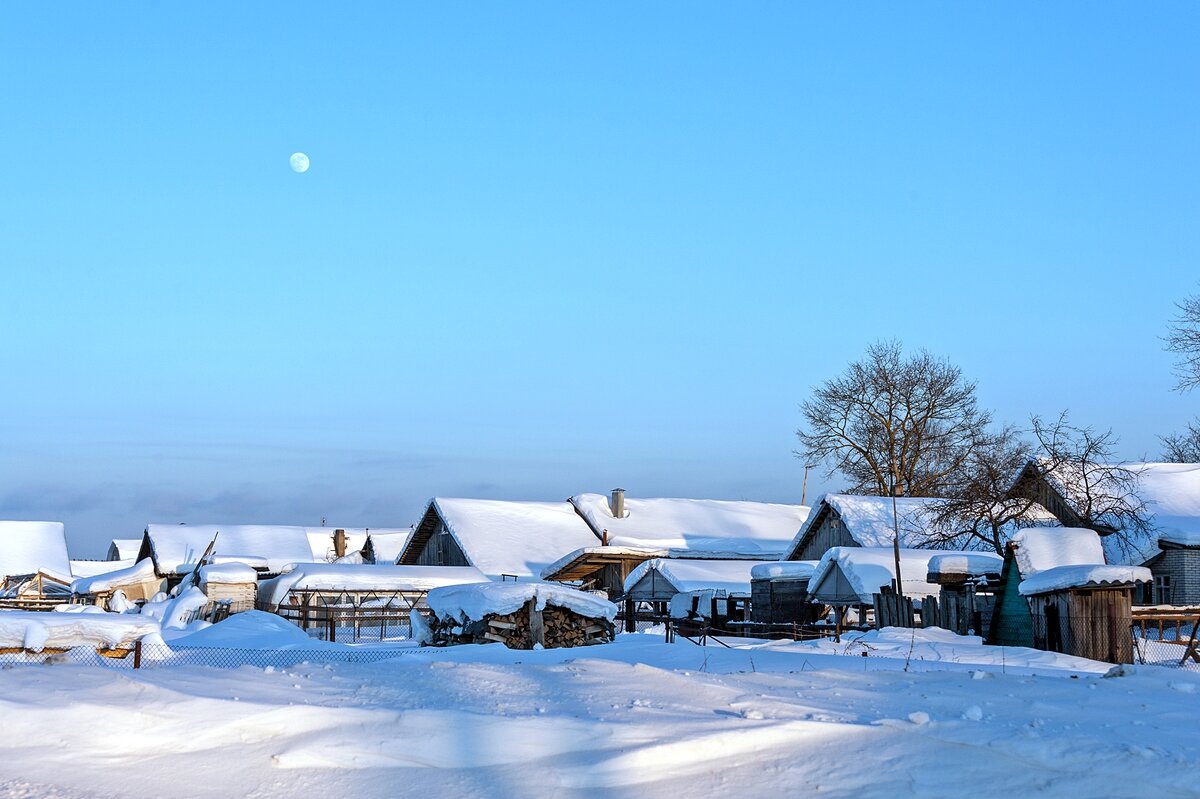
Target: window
(1162, 589)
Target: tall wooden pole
(896, 530)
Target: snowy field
(636, 717)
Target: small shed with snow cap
(1058, 594)
(779, 592)
(232, 584)
(964, 603)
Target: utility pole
(804, 490)
(895, 529)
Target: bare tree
(1103, 494)
(981, 514)
(893, 421)
(1183, 447)
(1184, 341)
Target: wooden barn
(505, 540)
(1057, 593)
(845, 520)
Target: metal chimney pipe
(618, 503)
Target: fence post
(630, 621)
(332, 625)
(137, 653)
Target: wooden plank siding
(826, 532)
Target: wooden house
(503, 539)
(1169, 545)
(1058, 594)
(846, 520)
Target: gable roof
(386, 545)
(124, 549)
(867, 569)
(30, 547)
(710, 526)
(867, 519)
(501, 537)
(176, 548)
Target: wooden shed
(232, 584)
(137, 583)
(779, 592)
(1085, 611)
(1057, 594)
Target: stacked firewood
(552, 627)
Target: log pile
(551, 627)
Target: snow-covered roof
(90, 568)
(1079, 576)
(869, 519)
(388, 545)
(784, 570)
(714, 526)
(502, 537)
(107, 581)
(1181, 538)
(228, 573)
(365, 577)
(869, 568)
(730, 576)
(970, 564)
(124, 549)
(29, 547)
(474, 601)
(1040, 548)
(178, 547)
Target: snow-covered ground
(664, 720)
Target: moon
(299, 162)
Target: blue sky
(550, 249)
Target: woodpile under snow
(518, 615)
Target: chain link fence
(154, 656)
